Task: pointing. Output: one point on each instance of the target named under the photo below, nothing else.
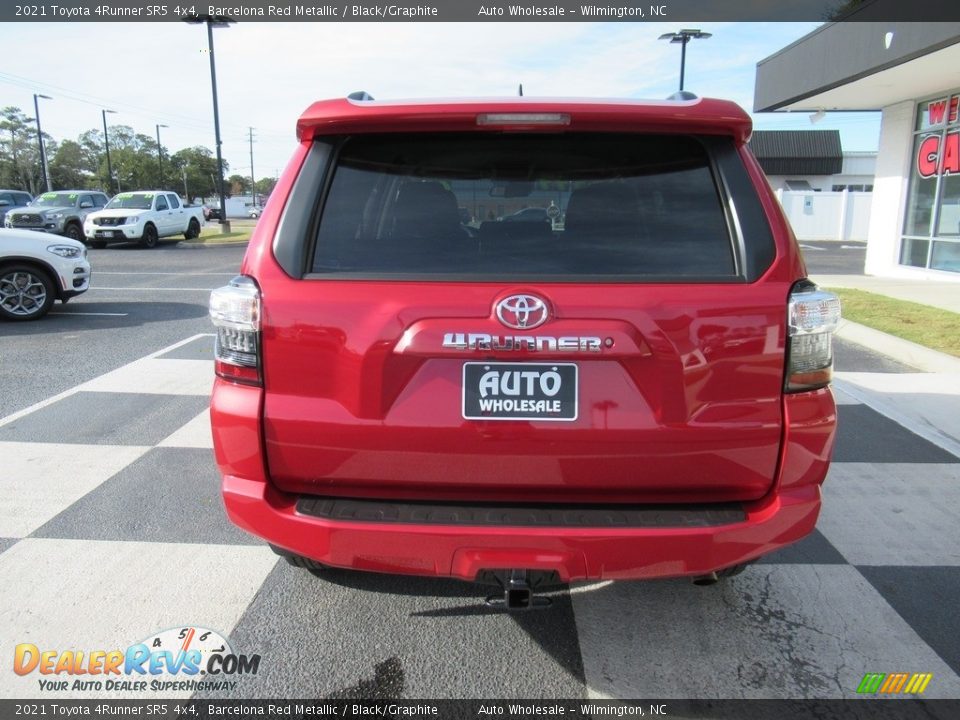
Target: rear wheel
(26, 293)
(150, 237)
(193, 230)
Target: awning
(798, 152)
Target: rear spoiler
(702, 116)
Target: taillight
(235, 312)
(812, 316)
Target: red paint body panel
(685, 403)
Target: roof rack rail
(683, 95)
(360, 95)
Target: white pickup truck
(144, 216)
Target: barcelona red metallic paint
(361, 400)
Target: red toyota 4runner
(524, 340)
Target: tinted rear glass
(500, 205)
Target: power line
(99, 102)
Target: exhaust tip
(705, 580)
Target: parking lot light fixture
(683, 37)
(160, 156)
(106, 145)
(215, 21)
(43, 154)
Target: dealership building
(911, 73)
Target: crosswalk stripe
(12, 417)
(41, 480)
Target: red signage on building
(932, 160)
(936, 109)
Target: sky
(268, 73)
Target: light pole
(160, 155)
(683, 37)
(253, 178)
(106, 145)
(212, 21)
(43, 153)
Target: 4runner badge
(522, 312)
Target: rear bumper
(786, 514)
(574, 553)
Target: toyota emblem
(522, 312)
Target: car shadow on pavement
(134, 245)
(104, 316)
(552, 628)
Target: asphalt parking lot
(111, 529)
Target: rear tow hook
(518, 595)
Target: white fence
(827, 215)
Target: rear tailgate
(363, 400)
(663, 321)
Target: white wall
(857, 169)
(859, 163)
(827, 215)
(820, 182)
(889, 189)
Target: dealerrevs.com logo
(179, 659)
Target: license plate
(104, 233)
(520, 391)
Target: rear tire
(74, 232)
(193, 230)
(150, 237)
(26, 292)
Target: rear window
(489, 206)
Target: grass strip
(925, 325)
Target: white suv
(36, 270)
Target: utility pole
(186, 193)
(43, 154)
(215, 21)
(106, 145)
(253, 178)
(160, 156)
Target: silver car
(59, 213)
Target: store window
(931, 228)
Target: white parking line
(186, 274)
(70, 391)
(151, 289)
(92, 314)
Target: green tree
(20, 166)
(72, 166)
(238, 184)
(265, 186)
(200, 168)
(134, 159)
